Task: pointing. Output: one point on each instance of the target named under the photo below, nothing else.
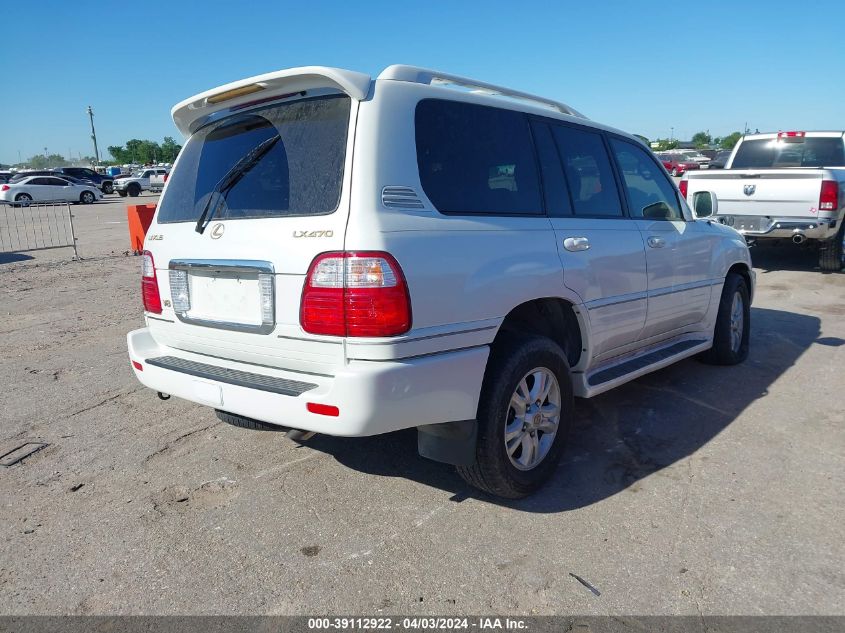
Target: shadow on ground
(785, 256)
(11, 258)
(622, 436)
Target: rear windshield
(805, 152)
(301, 174)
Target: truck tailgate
(762, 192)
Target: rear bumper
(772, 227)
(373, 396)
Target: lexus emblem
(748, 190)
(217, 231)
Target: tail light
(355, 294)
(829, 197)
(5, 188)
(684, 187)
(166, 176)
(149, 284)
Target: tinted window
(476, 159)
(299, 171)
(796, 152)
(588, 172)
(555, 191)
(650, 194)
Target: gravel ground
(694, 490)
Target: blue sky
(640, 66)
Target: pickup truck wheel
(832, 252)
(524, 414)
(108, 188)
(733, 324)
(133, 190)
(122, 194)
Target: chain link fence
(36, 226)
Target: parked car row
(77, 184)
(48, 188)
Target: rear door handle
(656, 242)
(576, 244)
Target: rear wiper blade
(232, 177)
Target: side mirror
(704, 204)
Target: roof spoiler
(191, 113)
(399, 72)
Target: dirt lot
(695, 490)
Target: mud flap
(449, 442)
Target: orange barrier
(140, 217)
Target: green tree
(730, 140)
(664, 144)
(169, 150)
(119, 153)
(39, 161)
(145, 151)
(702, 140)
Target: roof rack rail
(400, 72)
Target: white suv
(349, 256)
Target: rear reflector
(323, 409)
(149, 284)
(684, 187)
(829, 197)
(355, 294)
(137, 365)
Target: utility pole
(94, 136)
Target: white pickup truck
(158, 180)
(140, 181)
(780, 186)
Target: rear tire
(133, 190)
(23, 199)
(513, 369)
(108, 187)
(730, 337)
(247, 423)
(832, 252)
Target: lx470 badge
(313, 233)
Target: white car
(345, 255)
(35, 189)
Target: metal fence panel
(37, 226)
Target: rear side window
(794, 152)
(555, 191)
(298, 170)
(476, 159)
(588, 172)
(650, 194)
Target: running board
(608, 377)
